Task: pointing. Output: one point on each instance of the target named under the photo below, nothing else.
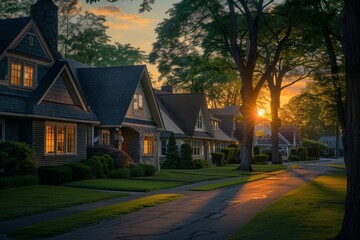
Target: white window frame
(2, 130)
(22, 73)
(107, 140)
(138, 102)
(56, 125)
(196, 147)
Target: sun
(261, 112)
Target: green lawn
(71, 222)
(312, 211)
(124, 184)
(29, 200)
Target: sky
(126, 25)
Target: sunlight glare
(261, 112)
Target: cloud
(133, 18)
(114, 25)
(107, 10)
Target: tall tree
(351, 224)
(225, 27)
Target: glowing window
(16, 69)
(105, 137)
(22, 74)
(60, 139)
(50, 139)
(148, 145)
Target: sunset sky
(126, 25)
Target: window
(60, 138)
(196, 147)
(22, 74)
(31, 41)
(2, 131)
(138, 102)
(148, 145)
(215, 125)
(163, 147)
(217, 146)
(105, 137)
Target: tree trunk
(351, 224)
(246, 148)
(275, 124)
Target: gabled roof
(227, 116)
(10, 29)
(291, 133)
(184, 109)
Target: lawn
(72, 222)
(124, 184)
(312, 211)
(29, 200)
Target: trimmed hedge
(218, 158)
(16, 158)
(294, 158)
(18, 181)
(54, 175)
(229, 153)
(236, 157)
(120, 173)
(201, 163)
(136, 171)
(149, 169)
(261, 158)
(257, 150)
(301, 152)
(121, 158)
(80, 171)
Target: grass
(338, 166)
(312, 211)
(22, 201)
(69, 223)
(233, 181)
(124, 184)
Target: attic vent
(31, 39)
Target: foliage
(201, 163)
(293, 157)
(80, 171)
(121, 158)
(149, 169)
(256, 150)
(54, 175)
(186, 159)
(97, 168)
(218, 158)
(120, 173)
(137, 171)
(229, 154)
(18, 181)
(16, 158)
(313, 143)
(301, 152)
(172, 154)
(261, 158)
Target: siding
(36, 49)
(3, 69)
(59, 93)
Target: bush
(256, 150)
(301, 152)
(218, 158)
(233, 145)
(201, 163)
(186, 159)
(80, 171)
(261, 158)
(96, 166)
(107, 163)
(172, 153)
(294, 158)
(236, 157)
(18, 181)
(16, 158)
(55, 175)
(121, 158)
(168, 164)
(136, 171)
(149, 169)
(120, 173)
(229, 153)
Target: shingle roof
(221, 135)
(184, 108)
(10, 28)
(110, 90)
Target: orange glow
(261, 112)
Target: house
(289, 137)
(40, 101)
(187, 116)
(330, 141)
(60, 107)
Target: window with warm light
(105, 137)
(22, 74)
(148, 145)
(60, 138)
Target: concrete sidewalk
(199, 215)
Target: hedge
(294, 158)
(80, 171)
(218, 158)
(55, 175)
(120, 173)
(18, 181)
(149, 169)
(201, 163)
(261, 158)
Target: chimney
(45, 13)
(167, 88)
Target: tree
(186, 159)
(228, 28)
(144, 6)
(172, 153)
(351, 224)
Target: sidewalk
(199, 215)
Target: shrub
(149, 169)
(172, 153)
(107, 163)
(294, 158)
(236, 157)
(261, 158)
(121, 158)
(218, 158)
(55, 175)
(136, 171)
(18, 181)
(120, 173)
(233, 145)
(256, 150)
(301, 152)
(229, 153)
(169, 165)
(16, 158)
(186, 159)
(80, 171)
(201, 163)
(96, 166)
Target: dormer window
(215, 125)
(22, 74)
(138, 102)
(199, 123)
